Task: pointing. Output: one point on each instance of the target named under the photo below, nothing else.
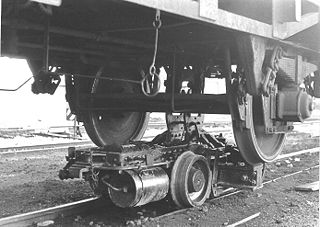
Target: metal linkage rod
(20, 86)
(46, 44)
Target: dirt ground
(30, 182)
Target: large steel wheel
(254, 144)
(110, 127)
(190, 180)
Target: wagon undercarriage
(124, 59)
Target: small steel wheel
(190, 180)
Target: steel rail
(81, 206)
(40, 147)
(35, 148)
(237, 192)
(244, 220)
(163, 124)
(57, 146)
(290, 174)
(85, 144)
(51, 213)
(312, 150)
(307, 122)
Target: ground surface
(29, 182)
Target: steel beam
(102, 38)
(286, 20)
(288, 29)
(19, 24)
(286, 10)
(195, 103)
(104, 53)
(191, 9)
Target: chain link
(153, 76)
(156, 24)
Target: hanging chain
(156, 24)
(153, 76)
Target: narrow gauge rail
(78, 207)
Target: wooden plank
(314, 186)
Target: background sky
(22, 108)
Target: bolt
(241, 164)
(244, 178)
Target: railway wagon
(122, 60)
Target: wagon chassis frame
(274, 47)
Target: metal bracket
(49, 2)
(272, 126)
(241, 175)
